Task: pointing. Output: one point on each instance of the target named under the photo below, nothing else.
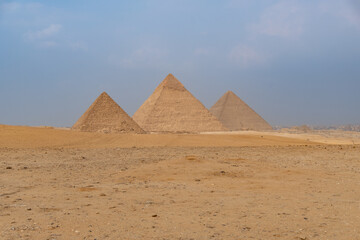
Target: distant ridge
(105, 115)
(172, 108)
(236, 115)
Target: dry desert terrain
(62, 184)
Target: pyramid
(236, 115)
(172, 108)
(105, 115)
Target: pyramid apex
(104, 97)
(230, 94)
(170, 77)
(172, 82)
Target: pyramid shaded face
(105, 115)
(172, 108)
(236, 115)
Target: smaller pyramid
(236, 115)
(172, 108)
(105, 115)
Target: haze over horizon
(293, 62)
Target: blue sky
(295, 62)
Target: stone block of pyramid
(172, 108)
(105, 115)
(236, 115)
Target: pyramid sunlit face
(172, 108)
(105, 115)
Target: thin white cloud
(355, 4)
(45, 37)
(47, 32)
(48, 44)
(12, 6)
(78, 46)
(348, 10)
(16, 6)
(246, 56)
(237, 3)
(201, 52)
(145, 56)
(284, 19)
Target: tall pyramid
(172, 108)
(105, 115)
(236, 115)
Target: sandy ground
(59, 184)
(30, 137)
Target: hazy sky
(294, 62)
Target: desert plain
(63, 184)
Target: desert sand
(64, 184)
